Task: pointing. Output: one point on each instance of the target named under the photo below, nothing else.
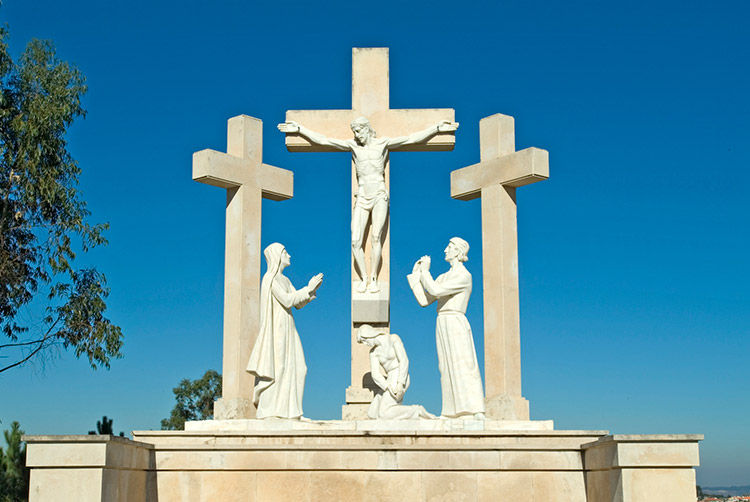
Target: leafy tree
(14, 476)
(43, 217)
(105, 427)
(195, 400)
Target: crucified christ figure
(369, 155)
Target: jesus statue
(370, 155)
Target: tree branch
(21, 343)
(31, 354)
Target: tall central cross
(247, 179)
(502, 169)
(370, 98)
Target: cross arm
(275, 183)
(330, 123)
(387, 123)
(227, 171)
(516, 169)
(217, 169)
(405, 122)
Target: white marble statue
(370, 155)
(460, 380)
(277, 360)
(389, 368)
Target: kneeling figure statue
(389, 367)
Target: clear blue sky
(634, 267)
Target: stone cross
(370, 98)
(502, 169)
(247, 180)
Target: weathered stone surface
(635, 468)
(325, 464)
(88, 468)
(416, 425)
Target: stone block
(658, 485)
(604, 486)
(366, 425)
(392, 487)
(354, 411)
(641, 468)
(355, 395)
(449, 486)
(541, 460)
(67, 454)
(124, 485)
(233, 486)
(657, 454)
(88, 468)
(337, 485)
(658, 450)
(65, 485)
(371, 307)
(505, 407)
(552, 486)
(283, 486)
(505, 486)
(233, 408)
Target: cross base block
(233, 408)
(506, 407)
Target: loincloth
(367, 202)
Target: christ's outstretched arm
(419, 137)
(314, 137)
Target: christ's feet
(374, 287)
(362, 287)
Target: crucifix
(323, 131)
(502, 169)
(247, 180)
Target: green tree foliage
(104, 426)
(43, 217)
(195, 400)
(14, 476)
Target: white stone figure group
(277, 360)
(370, 155)
(389, 367)
(460, 380)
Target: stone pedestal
(233, 408)
(507, 407)
(631, 468)
(370, 460)
(89, 468)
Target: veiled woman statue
(277, 360)
(389, 368)
(460, 380)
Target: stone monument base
(252, 460)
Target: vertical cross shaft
(247, 180)
(500, 266)
(370, 98)
(495, 179)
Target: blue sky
(633, 255)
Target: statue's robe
(460, 380)
(277, 360)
